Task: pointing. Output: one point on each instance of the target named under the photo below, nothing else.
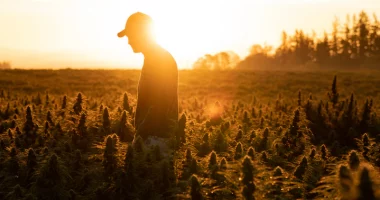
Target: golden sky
(83, 33)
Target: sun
(187, 35)
(191, 29)
(177, 37)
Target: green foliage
(239, 135)
(366, 186)
(246, 119)
(29, 125)
(165, 176)
(353, 160)
(223, 164)
(299, 98)
(129, 155)
(301, 168)
(345, 179)
(334, 95)
(220, 142)
(251, 153)
(181, 135)
(188, 155)
(204, 147)
(212, 160)
(294, 128)
(252, 135)
(264, 140)
(194, 168)
(51, 180)
(126, 105)
(78, 107)
(247, 169)
(18, 142)
(82, 128)
(138, 144)
(49, 118)
(238, 151)
(64, 102)
(10, 135)
(278, 171)
(125, 130)
(305, 149)
(312, 153)
(109, 156)
(324, 152)
(77, 160)
(365, 140)
(31, 163)
(247, 179)
(196, 190)
(365, 120)
(2, 145)
(106, 120)
(264, 156)
(16, 193)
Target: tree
(354, 43)
(345, 41)
(304, 47)
(374, 38)
(203, 63)
(363, 35)
(335, 38)
(5, 65)
(283, 51)
(259, 57)
(220, 61)
(354, 38)
(323, 51)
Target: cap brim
(121, 33)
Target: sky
(83, 33)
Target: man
(157, 96)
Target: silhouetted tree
(363, 25)
(259, 57)
(219, 61)
(5, 65)
(356, 43)
(322, 54)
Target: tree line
(353, 44)
(219, 61)
(5, 65)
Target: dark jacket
(157, 95)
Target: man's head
(139, 30)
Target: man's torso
(158, 86)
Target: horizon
(76, 34)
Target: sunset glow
(60, 33)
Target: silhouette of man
(157, 95)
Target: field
(241, 135)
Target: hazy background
(82, 33)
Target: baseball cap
(136, 22)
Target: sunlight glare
(193, 29)
(183, 34)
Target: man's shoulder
(161, 60)
(167, 57)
